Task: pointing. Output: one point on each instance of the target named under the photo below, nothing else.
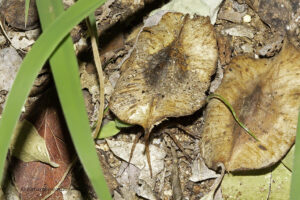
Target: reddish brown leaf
(34, 180)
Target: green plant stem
(27, 3)
(233, 113)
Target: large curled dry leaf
(34, 180)
(265, 94)
(168, 72)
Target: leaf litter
(48, 120)
(134, 96)
(266, 94)
(170, 78)
(122, 150)
(236, 45)
(167, 73)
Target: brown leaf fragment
(224, 49)
(280, 15)
(168, 72)
(265, 94)
(14, 13)
(34, 180)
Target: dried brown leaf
(168, 72)
(14, 13)
(265, 94)
(34, 180)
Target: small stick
(147, 137)
(70, 166)
(97, 61)
(179, 146)
(6, 37)
(187, 131)
(136, 139)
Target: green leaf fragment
(280, 183)
(295, 192)
(289, 159)
(112, 128)
(121, 124)
(245, 187)
(28, 145)
(108, 130)
(272, 185)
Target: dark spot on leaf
(262, 147)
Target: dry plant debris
(204, 8)
(27, 145)
(35, 180)
(14, 14)
(278, 13)
(168, 72)
(265, 93)
(122, 150)
(10, 62)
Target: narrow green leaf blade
(232, 112)
(27, 3)
(66, 76)
(31, 65)
(92, 20)
(295, 192)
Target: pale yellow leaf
(28, 145)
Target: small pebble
(103, 147)
(168, 193)
(2, 39)
(247, 18)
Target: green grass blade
(92, 21)
(233, 113)
(27, 3)
(66, 76)
(295, 192)
(31, 65)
